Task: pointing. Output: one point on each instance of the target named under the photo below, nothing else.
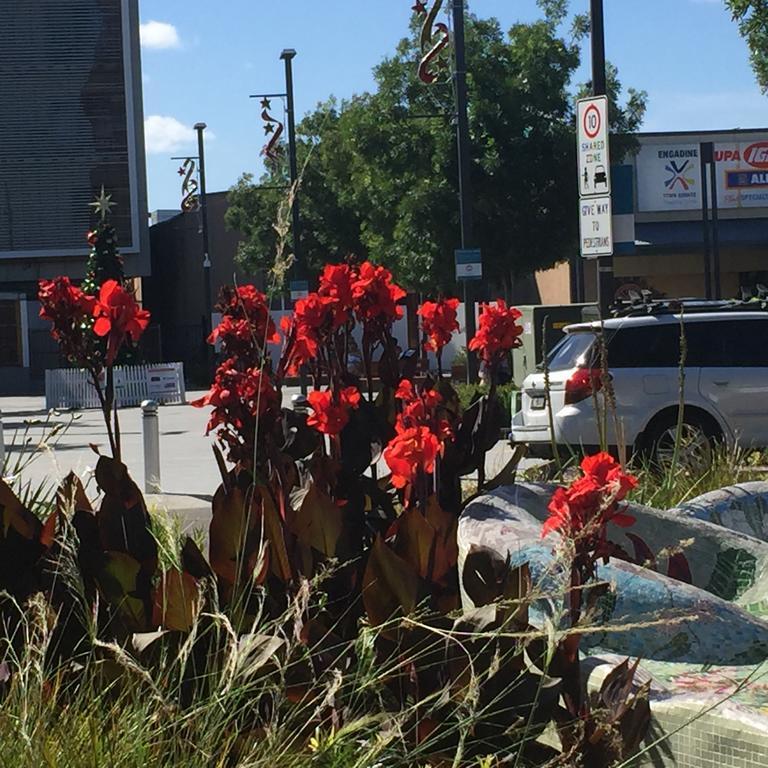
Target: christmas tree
(105, 262)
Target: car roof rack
(642, 303)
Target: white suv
(725, 389)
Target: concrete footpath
(188, 472)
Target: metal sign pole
(705, 150)
(605, 264)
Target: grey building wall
(175, 292)
(71, 120)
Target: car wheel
(695, 453)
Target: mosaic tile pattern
(709, 704)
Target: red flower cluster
(118, 316)
(239, 399)
(308, 329)
(438, 321)
(420, 433)
(70, 310)
(411, 451)
(331, 413)
(246, 324)
(376, 296)
(582, 511)
(343, 294)
(498, 332)
(336, 284)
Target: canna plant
(332, 572)
(97, 322)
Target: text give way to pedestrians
(595, 220)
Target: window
(10, 334)
(572, 351)
(645, 346)
(736, 343)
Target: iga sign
(669, 176)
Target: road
(186, 462)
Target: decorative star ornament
(102, 205)
(266, 103)
(268, 128)
(419, 7)
(181, 171)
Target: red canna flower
(118, 316)
(583, 510)
(330, 413)
(410, 452)
(69, 310)
(60, 299)
(498, 331)
(438, 321)
(315, 313)
(246, 324)
(420, 408)
(376, 296)
(239, 398)
(336, 283)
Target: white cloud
(159, 35)
(165, 134)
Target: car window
(645, 346)
(573, 350)
(737, 343)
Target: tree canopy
(380, 171)
(752, 17)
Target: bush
(505, 392)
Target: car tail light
(583, 383)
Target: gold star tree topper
(102, 205)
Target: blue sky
(201, 60)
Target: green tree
(752, 18)
(381, 180)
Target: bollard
(151, 428)
(2, 446)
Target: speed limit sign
(594, 159)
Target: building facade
(175, 293)
(71, 121)
(670, 254)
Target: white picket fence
(73, 388)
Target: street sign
(596, 227)
(593, 149)
(299, 289)
(469, 265)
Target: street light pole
(605, 289)
(287, 56)
(207, 323)
(465, 167)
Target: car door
(734, 372)
(644, 361)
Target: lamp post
(465, 182)
(287, 56)
(207, 323)
(298, 269)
